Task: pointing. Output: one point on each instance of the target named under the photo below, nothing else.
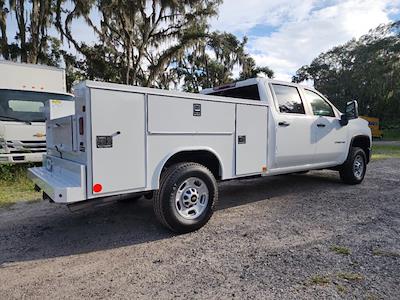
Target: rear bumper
(21, 158)
(62, 180)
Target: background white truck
(129, 141)
(24, 91)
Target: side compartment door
(251, 139)
(118, 140)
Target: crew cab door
(294, 140)
(330, 137)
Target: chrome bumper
(21, 158)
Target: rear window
(289, 99)
(249, 92)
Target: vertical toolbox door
(251, 139)
(118, 140)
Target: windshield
(26, 106)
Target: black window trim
(276, 102)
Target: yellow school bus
(373, 123)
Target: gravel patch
(286, 237)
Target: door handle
(284, 124)
(241, 139)
(321, 125)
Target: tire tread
(346, 170)
(169, 175)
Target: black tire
(351, 174)
(165, 204)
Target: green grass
(350, 276)
(385, 151)
(340, 250)
(15, 186)
(380, 252)
(341, 289)
(391, 134)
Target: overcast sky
(286, 34)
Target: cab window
(289, 99)
(249, 92)
(319, 106)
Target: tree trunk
(34, 32)
(20, 16)
(3, 28)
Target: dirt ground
(287, 237)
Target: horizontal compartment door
(169, 115)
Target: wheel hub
(191, 198)
(358, 166)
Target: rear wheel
(354, 169)
(187, 196)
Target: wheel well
(203, 157)
(364, 143)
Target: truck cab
(24, 93)
(306, 129)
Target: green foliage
(15, 185)
(391, 134)
(148, 43)
(367, 70)
(138, 40)
(9, 172)
(210, 62)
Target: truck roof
(154, 91)
(30, 77)
(247, 82)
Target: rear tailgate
(63, 175)
(62, 180)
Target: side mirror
(351, 112)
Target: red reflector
(97, 188)
(81, 132)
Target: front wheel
(187, 197)
(355, 167)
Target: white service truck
(130, 141)
(24, 91)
